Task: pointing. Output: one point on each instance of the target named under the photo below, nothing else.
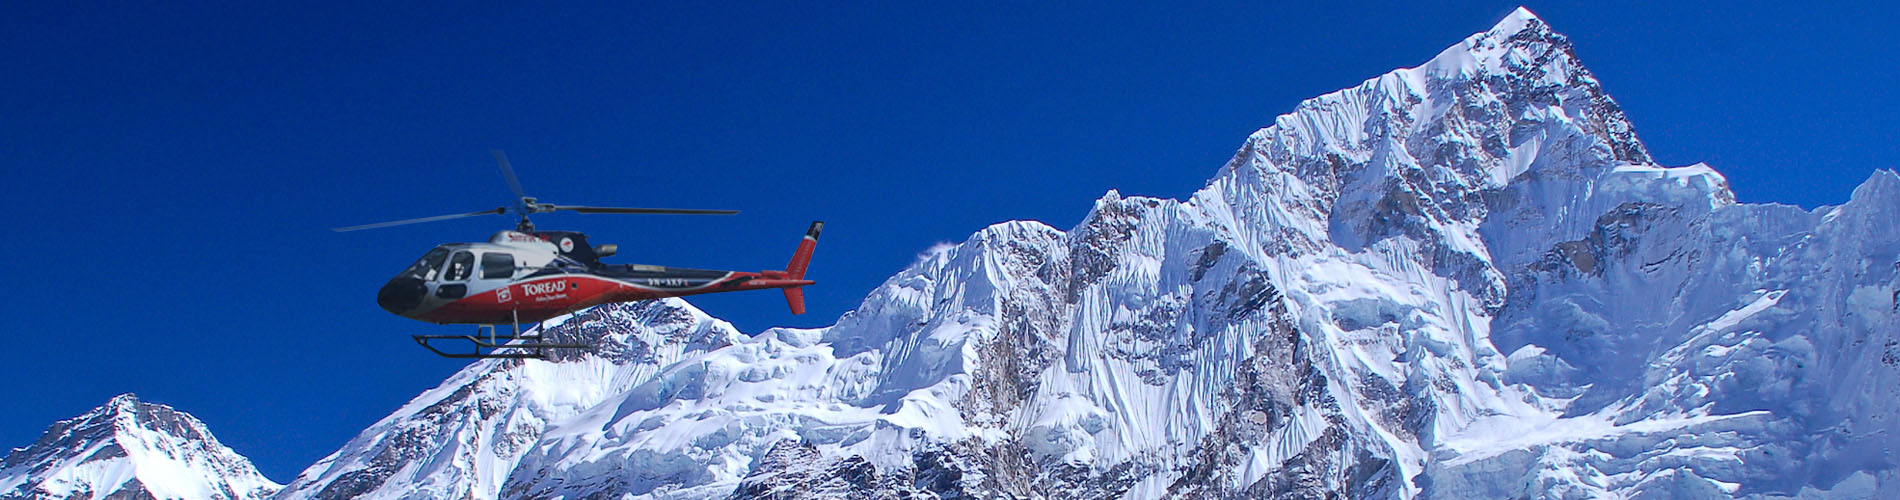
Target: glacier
(1464, 279)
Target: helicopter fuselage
(521, 277)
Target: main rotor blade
(508, 171)
(620, 210)
(496, 211)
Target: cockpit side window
(427, 266)
(498, 265)
(459, 266)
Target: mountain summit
(130, 449)
(1464, 279)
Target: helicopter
(526, 275)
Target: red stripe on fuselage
(541, 298)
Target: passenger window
(497, 265)
(459, 266)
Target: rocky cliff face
(130, 449)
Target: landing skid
(496, 345)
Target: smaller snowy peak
(129, 448)
(1881, 187)
(1875, 200)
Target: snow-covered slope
(130, 449)
(1461, 280)
(461, 439)
(1466, 279)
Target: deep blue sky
(171, 169)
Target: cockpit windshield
(427, 267)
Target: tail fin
(801, 259)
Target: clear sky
(171, 169)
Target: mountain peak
(1520, 45)
(123, 404)
(1507, 104)
(132, 448)
(1519, 19)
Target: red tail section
(801, 259)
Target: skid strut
(495, 345)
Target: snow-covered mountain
(1466, 279)
(462, 439)
(130, 449)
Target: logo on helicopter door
(545, 287)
